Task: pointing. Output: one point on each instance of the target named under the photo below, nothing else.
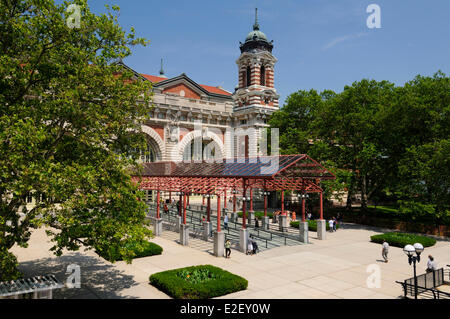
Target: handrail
(437, 294)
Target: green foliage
(114, 253)
(198, 282)
(402, 239)
(197, 276)
(312, 225)
(384, 142)
(8, 266)
(70, 127)
(258, 214)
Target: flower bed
(198, 282)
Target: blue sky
(319, 44)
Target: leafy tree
(426, 172)
(380, 140)
(69, 122)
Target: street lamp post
(409, 250)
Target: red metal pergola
(268, 173)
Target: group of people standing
(252, 247)
(333, 222)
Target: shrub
(257, 214)
(197, 282)
(398, 239)
(312, 225)
(111, 253)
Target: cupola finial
(161, 72)
(256, 25)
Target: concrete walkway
(333, 268)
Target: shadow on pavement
(99, 280)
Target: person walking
(385, 250)
(256, 222)
(255, 247)
(250, 247)
(334, 224)
(225, 222)
(308, 216)
(431, 264)
(227, 248)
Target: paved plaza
(333, 268)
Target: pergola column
(157, 204)
(265, 221)
(208, 208)
(219, 236)
(243, 233)
(321, 223)
(234, 217)
(207, 226)
(303, 225)
(282, 219)
(251, 212)
(184, 232)
(179, 218)
(158, 220)
(225, 199)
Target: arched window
(263, 75)
(249, 76)
(148, 155)
(207, 151)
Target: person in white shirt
(431, 264)
(384, 251)
(331, 223)
(250, 247)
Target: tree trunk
(364, 192)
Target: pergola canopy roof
(265, 167)
(283, 172)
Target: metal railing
(429, 280)
(425, 293)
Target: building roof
(210, 89)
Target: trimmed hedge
(257, 214)
(312, 225)
(398, 239)
(197, 282)
(111, 253)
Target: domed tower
(255, 96)
(256, 71)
